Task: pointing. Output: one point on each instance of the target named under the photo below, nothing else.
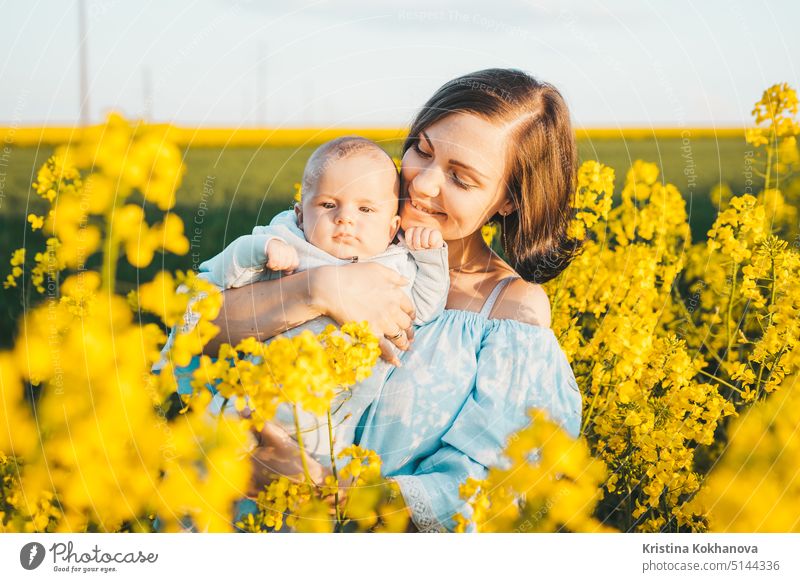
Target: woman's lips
(424, 210)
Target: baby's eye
(327, 204)
(366, 209)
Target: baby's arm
(432, 278)
(282, 256)
(244, 260)
(420, 238)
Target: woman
(495, 145)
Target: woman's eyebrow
(427, 139)
(454, 162)
(468, 167)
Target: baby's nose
(344, 217)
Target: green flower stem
(680, 302)
(769, 319)
(721, 381)
(588, 416)
(772, 368)
(333, 469)
(729, 335)
(110, 250)
(303, 460)
(772, 137)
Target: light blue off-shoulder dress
(444, 415)
(465, 386)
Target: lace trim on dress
(419, 503)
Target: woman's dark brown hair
(541, 168)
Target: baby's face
(353, 211)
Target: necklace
(461, 268)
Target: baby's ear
(298, 212)
(394, 226)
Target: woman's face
(453, 177)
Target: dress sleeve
(519, 367)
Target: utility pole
(85, 115)
(147, 95)
(261, 84)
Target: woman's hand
(278, 454)
(366, 292)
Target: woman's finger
(404, 303)
(387, 352)
(400, 322)
(402, 341)
(401, 319)
(397, 279)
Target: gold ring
(396, 336)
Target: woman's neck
(469, 254)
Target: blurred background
(252, 87)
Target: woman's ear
(507, 208)
(298, 212)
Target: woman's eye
(420, 152)
(460, 183)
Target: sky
(361, 63)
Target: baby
(348, 213)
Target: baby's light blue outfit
(465, 386)
(242, 263)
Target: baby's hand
(281, 256)
(423, 237)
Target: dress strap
(490, 301)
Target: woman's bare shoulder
(524, 302)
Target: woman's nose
(427, 182)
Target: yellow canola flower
(17, 263)
(19, 437)
(778, 107)
(159, 296)
(755, 487)
(352, 352)
(551, 484)
(141, 242)
(489, 233)
(99, 193)
(592, 197)
(37, 222)
(206, 472)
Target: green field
(228, 191)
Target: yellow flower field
(278, 137)
(686, 353)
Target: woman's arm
(263, 310)
(356, 292)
